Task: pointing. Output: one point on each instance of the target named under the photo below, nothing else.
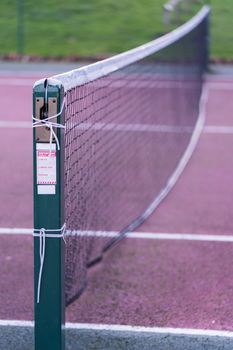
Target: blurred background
(80, 29)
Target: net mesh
(128, 123)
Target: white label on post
(46, 189)
(46, 165)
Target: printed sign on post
(46, 168)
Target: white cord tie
(42, 234)
(50, 124)
(47, 122)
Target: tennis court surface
(168, 284)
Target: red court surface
(178, 281)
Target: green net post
(48, 216)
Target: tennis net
(131, 124)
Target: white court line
(212, 84)
(126, 328)
(17, 82)
(218, 129)
(15, 231)
(135, 235)
(220, 86)
(16, 323)
(181, 236)
(109, 127)
(151, 84)
(15, 124)
(209, 129)
(161, 330)
(133, 127)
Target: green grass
(87, 28)
(221, 29)
(80, 27)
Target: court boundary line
(135, 235)
(158, 330)
(127, 328)
(218, 129)
(221, 86)
(19, 82)
(160, 82)
(213, 84)
(207, 129)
